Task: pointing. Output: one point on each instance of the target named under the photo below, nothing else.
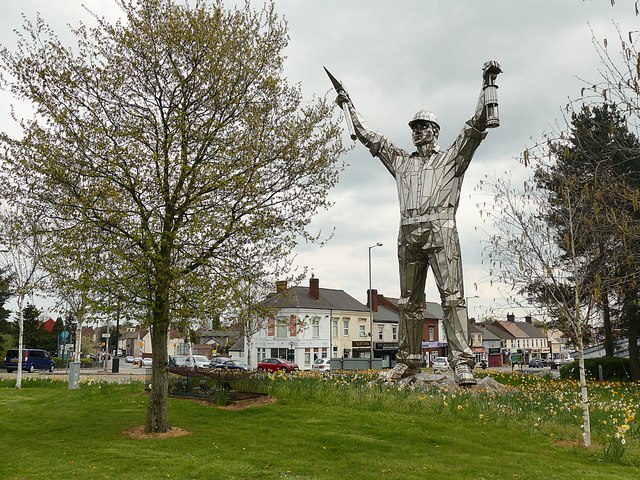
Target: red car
(273, 364)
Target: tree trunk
(20, 339)
(249, 345)
(157, 412)
(606, 319)
(78, 347)
(634, 360)
(586, 417)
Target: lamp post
(371, 307)
(467, 298)
(467, 307)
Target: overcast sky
(395, 58)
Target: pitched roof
(475, 328)
(531, 330)
(385, 314)
(488, 334)
(238, 346)
(431, 310)
(511, 327)
(299, 297)
(499, 332)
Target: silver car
(440, 363)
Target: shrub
(613, 368)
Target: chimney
(472, 321)
(511, 317)
(527, 318)
(314, 287)
(281, 286)
(372, 296)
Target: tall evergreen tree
(602, 159)
(5, 325)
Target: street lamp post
(467, 307)
(467, 298)
(371, 307)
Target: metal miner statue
(429, 181)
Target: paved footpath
(127, 373)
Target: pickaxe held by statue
(341, 90)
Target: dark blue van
(32, 359)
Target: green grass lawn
(316, 430)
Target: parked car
(178, 361)
(216, 360)
(321, 365)
(199, 361)
(129, 359)
(536, 363)
(233, 365)
(32, 359)
(147, 362)
(441, 363)
(274, 364)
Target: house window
(345, 324)
(380, 332)
(281, 327)
(316, 327)
(307, 358)
(394, 332)
(363, 330)
(334, 327)
(432, 333)
(334, 352)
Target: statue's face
(424, 133)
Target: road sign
(106, 335)
(64, 336)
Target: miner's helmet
(424, 116)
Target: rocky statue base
(444, 380)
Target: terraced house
(520, 338)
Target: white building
(310, 323)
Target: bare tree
(22, 243)
(525, 254)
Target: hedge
(613, 368)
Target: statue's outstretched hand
(342, 98)
(490, 71)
